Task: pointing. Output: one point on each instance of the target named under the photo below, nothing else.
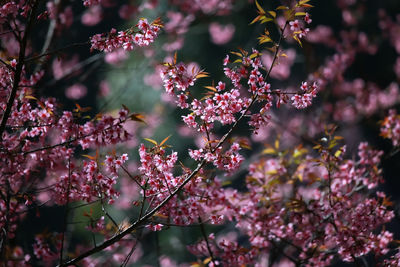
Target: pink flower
(307, 18)
(294, 25)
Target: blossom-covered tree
(267, 178)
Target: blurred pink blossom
(104, 88)
(127, 11)
(178, 23)
(348, 17)
(67, 17)
(61, 67)
(153, 79)
(173, 46)
(221, 34)
(116, 57)
(92, 16)
(76, 91)
(321, 34)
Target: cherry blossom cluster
(43, 250)
(222, 104)
(198, 199)
(394, 260)
(221, 107)
(9, 215)
(390, 127)
(144, 36)
(157, 168)
(297, 28)
(87, 184)
(225, 250)
(333, 197)
(304, 99)
(38, 138)
(228, 160)
(10, 8)
(177, 77)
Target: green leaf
(256, 19)
(282, 8)
(264, 39)
(298, 14)
(260, 9)
(137, 117)
(272, 13)
(236, 53)
(265, 19)
(297, 40)
(151, 141)
(212, 88)
(269, 151)
(89, 157)
(202, 74)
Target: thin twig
(50, 33)
(75, 68)
(108, 215)
(131, 176)
(203, 232)
(56, 51)
(8, 66)
(9, 31)
(144, 199)
(127, 258)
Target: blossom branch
(141, 220)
